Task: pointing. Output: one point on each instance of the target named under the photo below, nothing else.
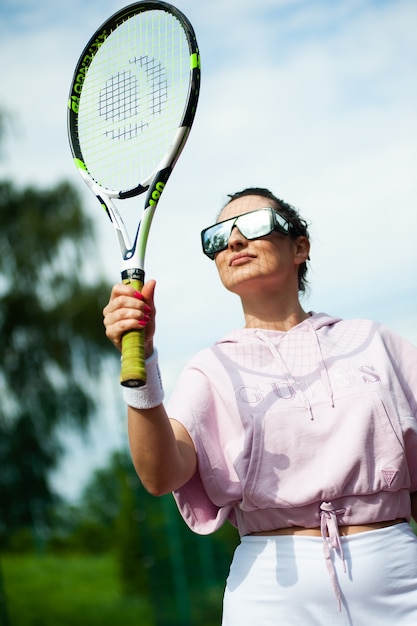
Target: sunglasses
(252, 225)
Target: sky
(314, 99)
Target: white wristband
(151, 394)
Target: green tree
(52, 343)
(181, 574)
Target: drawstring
(291, 380)
(331, 539)
(326, 371)
(288, 375)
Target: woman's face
(270, 262)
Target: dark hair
(299, 226)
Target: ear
(301, 250)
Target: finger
(127, 310)
(148, 291)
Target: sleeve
(208, 499)
(403, 356)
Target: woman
(300, 429)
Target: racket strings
(133, 99)
(119, 98)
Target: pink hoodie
(288, 425)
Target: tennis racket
(131, 106)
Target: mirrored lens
(216, 238)
(252, 225)
(255, 224)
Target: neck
(273, 315)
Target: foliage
(51, 341)
(157, 556)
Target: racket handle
(133, 371)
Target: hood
(296, 355)
(316, 321)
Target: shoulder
(365, 334)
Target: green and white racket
(131, 106)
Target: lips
(241, 258)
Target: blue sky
(315, 99)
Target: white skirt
(284, 580)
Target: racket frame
(133, 252)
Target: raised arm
(161, 448)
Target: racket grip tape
(133, 370)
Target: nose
(236, 239)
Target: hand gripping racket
(131, 107)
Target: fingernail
(147, 308)
(144, 320)
(138, 295)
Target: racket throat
(127, 251)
